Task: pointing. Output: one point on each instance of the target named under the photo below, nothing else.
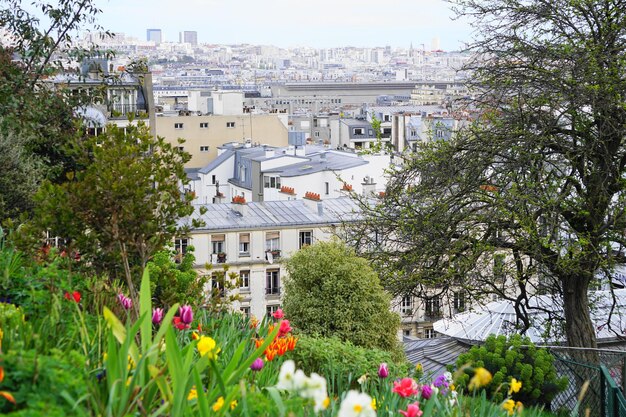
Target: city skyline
(277, 22)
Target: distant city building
(154, 35)
(189, 36)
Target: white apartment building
(254, 238)
(265, 173)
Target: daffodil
(356, 404)
(514, 386)
(481, 378)
(509, 406)
(193, 394)
(207, 346)
(233, 404)
(217, 405)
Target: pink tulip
(284, 328)
(126, 302)
(186, 314)
(412, 410)
(257, 365)
(157, 315)
(405, 387)
(278, 314)
(383, 370)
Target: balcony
(275, 254)
(272, 291)
(120, 111)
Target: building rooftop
(275, 214)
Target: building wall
(267, 129)
(255, 296)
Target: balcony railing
(121, 110)
(272, 290)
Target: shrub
(43, 385)
(331, 292)
(517, 358)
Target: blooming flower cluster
(283, 342)
(313, 387)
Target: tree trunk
(579, 328)
(127, 272)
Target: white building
(253, 239)
(264, 173)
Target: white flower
(300, 380)
(448, 377)
(286, 375)
(316, 389)
(362, 379)
(356, 404)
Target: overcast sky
(316, 23)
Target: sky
(290, 23)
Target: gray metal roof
(275, 214)
(499, 318)
(192, 173)
(434, 354)
(223, 157)
(327, 161)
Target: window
(306, 238)
(359, 131)
(180, 247)
(432, 307)
(387, 118)
(272, 241)
(244, 244)
(242, 173)
(327, 188)
(269, 310)
(230, 124)
(245, 311)
(244, 280)
(317, 134)
(180, 148)
(498, 268)
(178, 125)
(204, 148)
(204, 125)
(406, 332)
(430, 333)
(271, 182)
(213, 179)
(406, 305)
(217, 243)
(459, 301)
(217, 285)
(272, 282)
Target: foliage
(342, 363)
(38, 121)
(539, 176)
(44, 385)
(175, 282)
(516, 357)
(331, 292)
(125, 205)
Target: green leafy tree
(539, 178)
(125, 205)
(37, 120)
(176, 282)
(331, 292)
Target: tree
(176, 282)
(331, 292)
(125, 205)
(538, 181)
(37, 119)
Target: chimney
(269, 152)
(369, 186)
(239, 205)
(320, 209)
